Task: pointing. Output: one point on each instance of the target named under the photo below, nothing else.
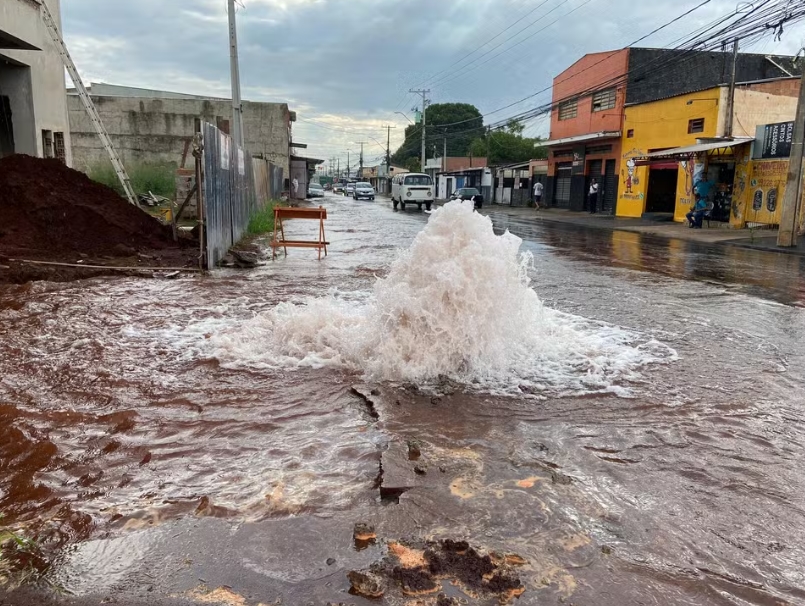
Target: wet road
(150, 464)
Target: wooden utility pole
(792, 200)
(423, 92)
(731, 96)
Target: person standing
(537, 194)
(593, 197)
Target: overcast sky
(345, 66)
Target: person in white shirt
(537, 194)
(593, 197)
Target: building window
(604, 99)
(58, 147)
(47, 144)
(630, 133)
(568, 109)
(696, 126)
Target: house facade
(589, 139)
(670, 144)
(33, 102)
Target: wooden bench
(281, 213)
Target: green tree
(460, 123)
(508, 146)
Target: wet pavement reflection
(141, 464)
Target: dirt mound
(51, 212)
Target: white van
(412, 188)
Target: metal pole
(789, 215)
(731, 96)
(388, 159)
(237, 106)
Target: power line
(464, 69)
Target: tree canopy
(441, 119)
(508, 146)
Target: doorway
(561, 194)
(6, 128)
(610, 188)
(661, 193)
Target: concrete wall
(46, 95)
(155, 130)
(764, 103)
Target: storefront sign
(773, 140)
(578, 160)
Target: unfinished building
(33, 103)
(157, 127)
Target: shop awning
(607, 134)
(685, 153)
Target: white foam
(457, 304)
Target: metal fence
(233, 190)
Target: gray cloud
(346, 65)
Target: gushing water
(457, 304)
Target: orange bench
(281, 213)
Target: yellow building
(759, 190)
(652, 127)
(670, 144)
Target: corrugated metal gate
(229, 192)
(561, 196)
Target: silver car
(364, 190)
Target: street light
(404, 116)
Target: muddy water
(143, 464)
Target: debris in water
(366, 584)
(456, 307)
(420, 568)
(364, 536)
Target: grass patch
(21, 559)
(262, 221)
(159, 179)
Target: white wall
(49, 100)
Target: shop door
(610, 188)
(593, 172)
(561, 194)
(661, 194)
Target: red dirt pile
(49, 212)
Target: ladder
(86, 100)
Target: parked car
(338, 188)
(314, 190)
(364, 190)
(469, 193)
(412, 188)
(349, 190)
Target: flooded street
(162, 439)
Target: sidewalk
(765, 239)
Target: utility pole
(347, 165)
(360, 170)
(731, 96)
(338, 171)
(388, 158)
(444, 153)
(423, 92)
(237, 106)
(789, 215)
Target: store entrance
(723, 175)
(661, 193)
